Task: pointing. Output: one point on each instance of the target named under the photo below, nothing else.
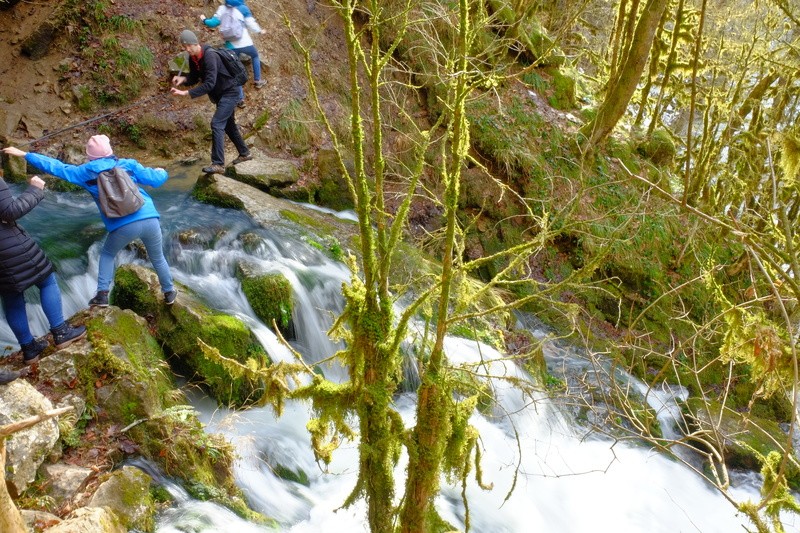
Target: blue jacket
(85, 175)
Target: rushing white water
(562, 479)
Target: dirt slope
(37, 96)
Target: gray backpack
(118, 195)
(231, 27)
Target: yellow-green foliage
(297, 128)
(753, 340)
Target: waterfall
(563, 480)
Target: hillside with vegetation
(626, 170)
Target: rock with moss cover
(328, 231)
(182, 326)
(270, 295)
(265, 173)
(127, 493)
(744, 439)
(526, 29)
(86, 519)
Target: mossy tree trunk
(372, 331)
(432, 431)
(624, 82)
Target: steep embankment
(66, 62)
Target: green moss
(271, 298)
(182, 326)
(203, 191)
(297, 476)
(563, 90)
(658, 148)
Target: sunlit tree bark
(619, 94)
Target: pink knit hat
(98, 146)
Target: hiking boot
(260, 83)
(65, 334)
(100, 299)
(32, 350)
(7, 376)
(242, 158)
(169, 297)
(240, 104)
(214, 169)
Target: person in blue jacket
(244, 44)
(143, 224)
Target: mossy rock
(15, 169)
(564, 90)
(270, 295)
(127, 493)
(205, 192)
(297, 476)
(537, 44)
(125, 374)
(743, 439)
(658, 148)
(181, 327)
(37, 44)
(333, 191)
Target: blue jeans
(224, 122)
(149, 231)
(17, 315)
(253, 53)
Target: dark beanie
(188, 37)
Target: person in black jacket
(22, 265)
(205, 65)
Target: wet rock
(182, 326)
(270, 295)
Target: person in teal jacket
(143, 224)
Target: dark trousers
(224, 123)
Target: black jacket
(22, 262)
(211, 70)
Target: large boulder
(182, 326)
(90, 520)
(265, 173)
(27, 449)
(127, 493)
(332, 233)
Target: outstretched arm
(12, 208)
(142, 175)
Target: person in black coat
(22, 265)
(208, 71)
